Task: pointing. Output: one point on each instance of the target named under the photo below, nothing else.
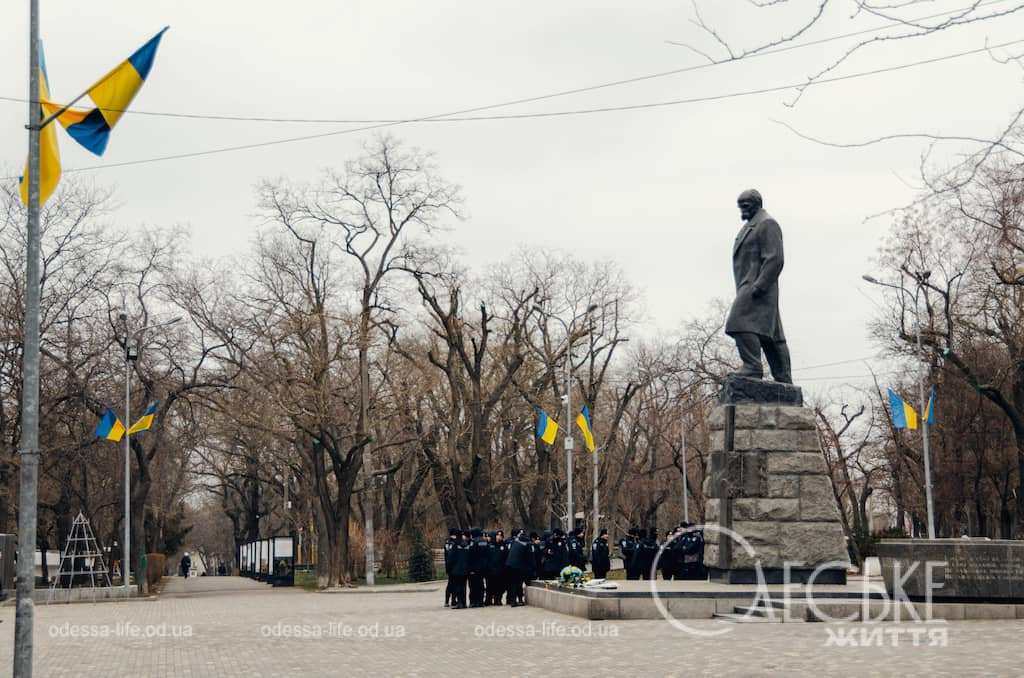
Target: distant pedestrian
(185, 565)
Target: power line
(551, 114)
(839, 362)
(852, 376)
(533, 99)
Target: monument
(767, 480)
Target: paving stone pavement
(288, 632)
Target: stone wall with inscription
(954, 569)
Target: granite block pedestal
(768, 483)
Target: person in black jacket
(599, 555)
(643, 557)
(574, 548)
(497, 580)
(627, 548)
(555, 556)
(668, 562)
(478, 565)
(518, 566)
(691, 554)
(449, 549)
(537, 554)
(460, 571)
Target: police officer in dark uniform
(537, 555)
(478, 564)
(574, 547)
(555, 555)
(627, 548)
(518, 564)
(643, 557)
(460, 571)
(449, 552)
(668, 561)
(600, 558)
(497, 583)
(691, 554)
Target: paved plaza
(226, 626)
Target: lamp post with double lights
(920, 277)
(131, 354)
(567, 397)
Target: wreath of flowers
(572, 577)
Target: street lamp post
(28, 491)
(129, 357)
(919, 277)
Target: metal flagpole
(597, 513)
(127, 458)
(364, 409)
(921, 376)
(24, 615)
(686, 481)
(570, 518)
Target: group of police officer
(496, 570)
(682, 553)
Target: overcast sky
(652, 189)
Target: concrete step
(743, 619)
(759, 611)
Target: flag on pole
(547, 428)
(110, 427)
(146, 420)
(49, 153)
(583, 421)
(112, 94)
(903, 415)
(929, 410)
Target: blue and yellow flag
(112, 95)
(146, 420)
(110, 427)
(929, 410)
(49, 153)
(583, 421)
(903, 415)
(547, 428)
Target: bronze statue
(754, 321)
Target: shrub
(421, 559)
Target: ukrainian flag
(110, 427)
(903, 415)
(547, 428)
(49, 153)
(929, 410)
(146, 420)
(583, 421)
(112, 94)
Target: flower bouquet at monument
(573, 577)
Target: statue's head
(749, 202)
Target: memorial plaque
(955, 570)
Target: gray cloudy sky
(653, 190)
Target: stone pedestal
(768, 482)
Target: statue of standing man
(754, 321)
